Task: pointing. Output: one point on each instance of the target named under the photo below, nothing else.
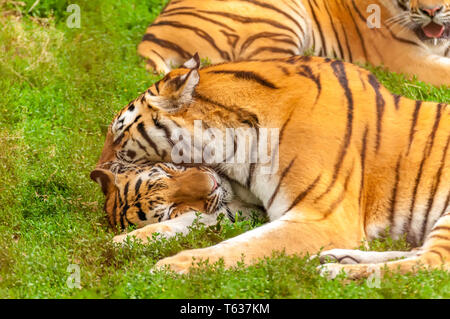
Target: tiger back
(411, 37)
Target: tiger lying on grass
(354, 159)
(165, 198)
(412, 37)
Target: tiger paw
(120, 239)
(132, 237)
(180, 263)
(330, 270)
(145, 234)
(342, 256)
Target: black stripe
(380, 103)
(282, 176)
(363, 162)
(246, 20)
(341, 52)
(323, 49)
(437, 121)
(119, 139)
(363, 19)
(283, 128)
(308, 73)
(413, 124)
(166, 130)
(113, 218)
(270, 35)
(394, 192)
(358, 31)
(410, 235)
(199, 32)
(141, 214)
(339, 72)
(151, 63)
(341, 196)
(303, 194)
(427, 152)
(447, 202)
(141, 130)
(251, 171)
(193, 14)
(168, 45)
(437, 253)
(347, 44)
(434, 189)
(402, 40)
(287, 52)
(247, 75)
(245, 116)
(396, 101)
(271, 7)
(137, 186)
(165, 11)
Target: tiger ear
(175, 92)
(192, 63)
(105, 179)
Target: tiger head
(142, 195)
(429, 19)
(141, 132)
(144, 130)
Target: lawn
(60, 88)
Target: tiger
(409, 37)
(351, 158)
(165, 198)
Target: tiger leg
(157, 59)
(434, 254)
(293, 233)
(353, 256)
(168, 228)
(428, 67)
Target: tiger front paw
(330, 270)
(186, 260)
(144, 235)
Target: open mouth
(433, 30)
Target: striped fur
(148, 194)
(165, 198)
(354, 159)
(237, 30)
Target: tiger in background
(165, 198)
(413, 38)
(354, 159)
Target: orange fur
(354, 159)
(139, 196)
(241, 30)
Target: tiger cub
(411, 37)
(165, 198)
(350, 159)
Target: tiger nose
(432, 12)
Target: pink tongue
(433, 30)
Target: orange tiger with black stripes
(406, 36)
(353, 159)
(165, 198)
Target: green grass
(60, 88)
